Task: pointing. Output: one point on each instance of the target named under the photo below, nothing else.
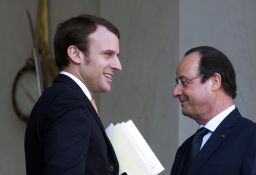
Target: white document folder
(133, 153)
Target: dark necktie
(197, 142)
(195, 147)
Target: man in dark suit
(64, 133)
(206, 88)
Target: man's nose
(116, 64)
(177, 90)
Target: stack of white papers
(133, 153)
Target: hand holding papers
(133, 153)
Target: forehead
(189, 65)
(102, 34)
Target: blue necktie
(195, 147)
(197, 142)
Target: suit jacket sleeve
(65, 145)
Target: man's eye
(183, 82)
(107, 54)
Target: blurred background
(154, 36)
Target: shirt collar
(79, 83)
(215, 121)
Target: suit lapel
(181, 157)
(97, 118)
(218, 137)
(72, 84)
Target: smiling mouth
(183, 100)
(109, 76)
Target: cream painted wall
(149, 54)
(154, 35)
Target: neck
(215, 108)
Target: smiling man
(225, 144)
(64, 133)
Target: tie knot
(195, 146)
(201, 132)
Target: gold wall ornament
(49, 69)
(39, 70)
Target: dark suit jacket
(231, 150)
(65, 136)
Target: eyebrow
(182, 77)
(108, 51)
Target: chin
(106, 89)
(186, 113)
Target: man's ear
(216, 81)
(74, 54)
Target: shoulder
(236, 120)
(60, 100)
(184, 146)
(247, 124)
(65, 91)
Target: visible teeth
(108, 76)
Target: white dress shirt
(214, 123)
(79, 83)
